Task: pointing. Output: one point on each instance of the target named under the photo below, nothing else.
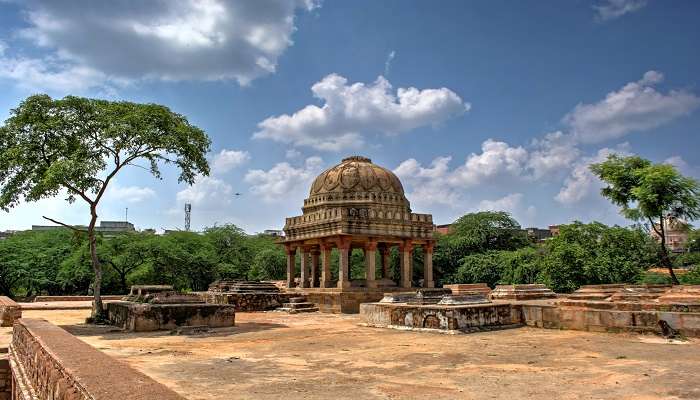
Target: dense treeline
(58, 261)
(482, 247)
(490, 247)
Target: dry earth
(323, 356)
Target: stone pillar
(406, 253)
(291, 265)
(304, 282)
(326, 265)
(428, 281)
(371, 264)
(385, 253)
(344, 263)
(314, 267)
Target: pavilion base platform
(452, 318)
(345, 301)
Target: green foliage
(587, 254)
(694, 240)
(475, 233)
(269, 264)
(648, 192)
(692, 277)
(653, 278)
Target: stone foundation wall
(144, 317)
(444, 318)
(345, 302)
(45, 299)
(5, 376)
(248, 301)
(49, 363)
(9, 311)
(612, 317)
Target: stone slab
(144, 317)
(10, 311)
(522, 292)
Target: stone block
(10, 311)
(522, 292)
(143, 317)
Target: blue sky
(475, 105)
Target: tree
(649, 192)
(476, 233)
(269, 264)
(126, 252)
(79, 145)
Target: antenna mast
(188, 211)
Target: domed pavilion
(356, 205)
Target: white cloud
(611, 9)
(428, 185)
(496, 159)
(129, 194)
(581, 182)
(635, 107)
(227, 160)
(282, 180)
(387, 63)
(552, 155)
(683, 167)
(207, 192)
(168, 40)
(350, 110)
(292, 153)
(513, 204)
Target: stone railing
(49, 363)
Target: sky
(475, 105)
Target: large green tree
(79, 145)
(649, 192)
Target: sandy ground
(323, 356)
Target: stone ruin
(247, 295)
(522, 292)
(160, 307)
(600, 308)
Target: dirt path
(322, 356)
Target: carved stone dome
(356, 179)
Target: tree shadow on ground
(110, 332)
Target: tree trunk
(665, 259)
(97, 310)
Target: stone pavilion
(356, 205)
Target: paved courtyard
(324, 356)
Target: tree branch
(65, 225)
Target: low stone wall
(451, 319)
(49, 363)
(9, 311)
(144, 317)
(599, 316)
(5, 376)
(48, 299)
(248, 301)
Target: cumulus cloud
(511, 203)
(611, 9)
(129, 194)
(428, 184)
(349, 110)
(283, 179)
(496, 159)
(168, 40)
(227, 160)
(581, 182)
(638, 106)
(207, 191)
(555, 153)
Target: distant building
(6, 234)
(554, 230)
(443, 229)
(676, 231)
(106, 228)
(538, 234)
(273, 232)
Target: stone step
(298, 305)
(297, 310)
(299, 299)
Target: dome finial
(357, 158)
